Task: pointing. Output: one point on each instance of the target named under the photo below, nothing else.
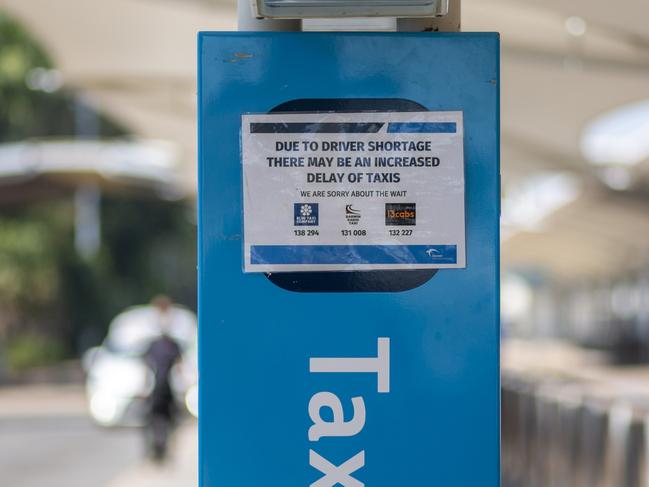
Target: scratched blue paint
(362, 254)
(439, 425)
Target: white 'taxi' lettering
(337, 475)
(338, 426)
(379, 365)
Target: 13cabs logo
(400, 214)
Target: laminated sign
(353, 191)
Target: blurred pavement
(47, 438)
(179, 471)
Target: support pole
(452, 22)
(248, 22)
(87, 196)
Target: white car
(118, 380)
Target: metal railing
(565, 433)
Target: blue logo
(305, 214)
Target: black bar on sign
(315, 128)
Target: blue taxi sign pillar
(348, 259)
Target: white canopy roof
(135, 59)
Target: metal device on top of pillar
(349, 247)
(407, 16)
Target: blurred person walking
(163, 353)
(145, 372)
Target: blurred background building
(97, 205)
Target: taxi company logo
(401, 214)
(434, 253)
(353, 216)
(305, 214)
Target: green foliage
(28, 275)
(33, 350)
(53, 303)
(47, 289)
(28, 113)
(18, 52)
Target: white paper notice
(353, 191)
